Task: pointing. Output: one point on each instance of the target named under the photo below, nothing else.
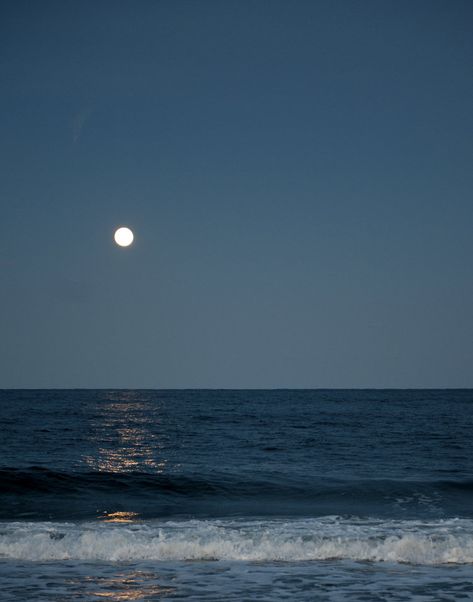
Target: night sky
(298, 176)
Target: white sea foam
(417, 542)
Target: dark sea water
(236, 495)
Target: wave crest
(429, 543)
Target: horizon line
(445, 388)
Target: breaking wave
(330, 537)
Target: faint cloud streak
(78, 123)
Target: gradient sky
(298, 176)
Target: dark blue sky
(298, 176)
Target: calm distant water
(236, 495)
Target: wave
(41, 493)
(42, 480)
(326, 538)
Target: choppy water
(236, 495)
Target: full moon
(123, 237)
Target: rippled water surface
(238, 495)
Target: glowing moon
(123, 237)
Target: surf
(326, 538)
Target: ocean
(321, 495)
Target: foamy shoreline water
(326, 538)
